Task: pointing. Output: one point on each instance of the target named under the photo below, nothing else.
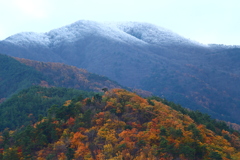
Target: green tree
(215, 156)
(187, 150)
(70, 153)
(10, 153)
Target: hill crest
(119, 125)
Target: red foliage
(71, 121)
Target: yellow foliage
(108, 134)
(58, 145)
(108, 150)
(67, 103)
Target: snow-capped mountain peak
(124, 32)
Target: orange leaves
(81, 151)
(153, 137)
(99, 121)
(136, 125)
(62, 156)
(77, 140)
(77, 143)
(129, 137)
(139, 100)
(109, 105)
(99, 155)
(100, 114)
(129, 134)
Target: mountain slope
(119, 125)
(70, 76)
(19, 74)
(15, 76)
(141, 55)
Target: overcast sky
(206, 21)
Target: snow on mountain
(29, 38)
(83, 28)
(127, 32)
(153, 34)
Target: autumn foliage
(119, 125)
(69, 76)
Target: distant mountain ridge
(15, 76)
(70, 76)
(145, 56)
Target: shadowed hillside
(15, 76)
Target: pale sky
(205, 21)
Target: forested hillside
(67, 76)
(15, 76)
(30, 104)
(121, 125)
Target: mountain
(121, 125)
(17, 74)
(144, 56)
(95, 47)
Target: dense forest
(121, 125)
(32, 103)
